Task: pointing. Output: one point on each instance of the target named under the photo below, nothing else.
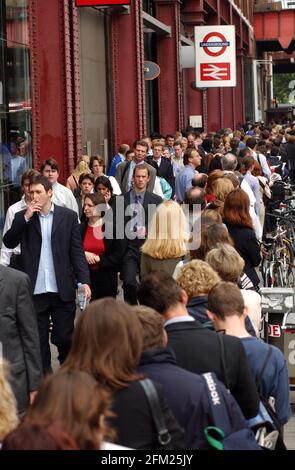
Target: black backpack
(278, 192)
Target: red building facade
(53, 32)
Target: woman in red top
(103, 252)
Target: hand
(32, 207)
(87, 291)
(107, 196)
(91, 258)
(33, 395)
(141, 232)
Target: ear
(49, 192)
(165, 338)
(245, 312)
(184, 297)
(211, 315)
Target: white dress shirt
(6, 253)
(62, 196)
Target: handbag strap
(260, 375)
(151, 393)
(222, 358)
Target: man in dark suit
(196, 348)
(162, 165)
(124, 171)
(139, 205)
(53, 257)
(19, 335)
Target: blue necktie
(137, 212)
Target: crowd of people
(178, 221)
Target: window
(15, 103)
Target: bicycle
(277, 258)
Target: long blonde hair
(167, 236)
(8, 408)
(81, 167)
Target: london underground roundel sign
(215, 56)
(210, 44)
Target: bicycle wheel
(287, 260)
(277, 278)
(267, 276)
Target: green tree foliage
(281, 90)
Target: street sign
(151, 70)
(196, 121)
(274, 331)
(215, 49)
(98, 3)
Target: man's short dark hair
(50, 162)
(225, 299)
(40, 179)
(28, 175)
(188, 154)
(141, 166)
(251, 143)
(159, 291)
(143, 143)
(177, 142)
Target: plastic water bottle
(81, 296)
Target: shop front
(15, 101)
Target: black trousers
(62, 315)
(104, 283)
(130, 268)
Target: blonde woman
(73, 179)
(8, 408)
(166, 242)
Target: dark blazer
(122, 173)
(165, 170)
(78, 198)
(19, 334)
(67, 249)
(197, 350)
(247, 246)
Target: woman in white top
(97, 167)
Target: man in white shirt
(61, 195)
(177, 159)
(252, 146)
(6, 253)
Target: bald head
(229, 162)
